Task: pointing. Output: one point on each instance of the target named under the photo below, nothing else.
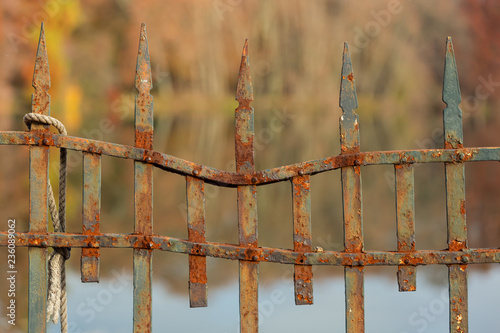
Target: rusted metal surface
(405, 219)
(195, 193)
(143, 188)
(39, 177)
(246, 179)
(302, 239)
(247, 197)
(265, 254)
(455, 194)
(351, 199)
(233, 179)
(90, 260)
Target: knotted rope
(56, 295)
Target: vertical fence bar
(143, 188)
(39, 180)
(302, 240)
(455, 193)
(351, 199)
(90, 259)
(405, 219)
(247, 197)
(195, 193)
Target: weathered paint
(351, 198)
(232, 179)
(143, 188)
(458, 256)
(265, 254)
(455, 193)
(195, 196)
(91, 210)
(247, 197)
(405, 220)
(302, 239)
(354, 299)
(39, 178)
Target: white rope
(56, 295)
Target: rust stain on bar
(143, 188)
(351, 198)
(232, 179)
(457, 256)
(195, 193)
(90, 262)
(459, 322)
(247, 197)
(405, 220)
(455, 193)
(302, 239)
(266, 254)
(39, 178)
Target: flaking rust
(455, 192)
(195, 197)
(143, 188)
(302, 239)
(90, 262)
(457, 256)
(246, 197)
(351, 198)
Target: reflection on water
(107, 307)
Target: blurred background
(295, 47)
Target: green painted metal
(39, 177)
(232, 179)
(455, 193)
(405, 220)
(350, 161)
(90, 258)
(302, 238)
(143, 188)
(265, 254)
(351, 199)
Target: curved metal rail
(232, 179)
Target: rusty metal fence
(144, 241)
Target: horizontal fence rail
(303, 255)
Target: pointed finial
(143, 79)
(348, 99)
(452, 115)
(451, 87)
(40, 99)
(349, 126)
(244, 91)
(143, 100)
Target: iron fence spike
(144, 100)
(348, 100)
(40, 99)
(452, 115)
(244, 91)
(451, 86)
(143, 189)
(143, 77)
(41, 76)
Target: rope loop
(56, 295)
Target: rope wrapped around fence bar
(56, 295)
